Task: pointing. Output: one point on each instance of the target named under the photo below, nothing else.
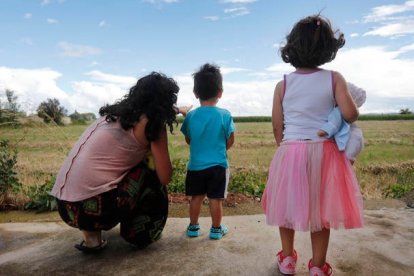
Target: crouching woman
(105, 180)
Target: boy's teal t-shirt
(208, 128)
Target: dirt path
(383, 247)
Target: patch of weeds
(405, 183)
(39, 197)
(177, 184)
(247, 182)
(241, 180)
(8, 174)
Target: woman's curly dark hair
(311, 43)
(154, 95)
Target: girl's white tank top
(307, 101)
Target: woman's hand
(184, 109)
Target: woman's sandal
(86, 249)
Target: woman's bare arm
(159, 150)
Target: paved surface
(385, 246)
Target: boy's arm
(230, 141)
(184, 130)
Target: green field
(385, 165)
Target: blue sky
(88, 53)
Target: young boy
(209, 130)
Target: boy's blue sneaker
(193, 230)
(217, 233)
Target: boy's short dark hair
(207, 81)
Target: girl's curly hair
(311, 43)
(154, 95)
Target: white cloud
(47, 2)
(385, 11)
(102, 24)
(229, 70)
(90, 96)
(239, 1)
(406, 48)
(27, 15)
(354, 35)
(240, 98)
(32, 86)
(394, 20)
(122, 81)
(279, 69)
(52, 21)
(237, 11)
(382, 73)
(393, 29)
(248, 97)
(211, 18)
(74, 50)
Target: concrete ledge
(383, 247)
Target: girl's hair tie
(318, 22)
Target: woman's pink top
(99, 160)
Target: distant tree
(51, 110)
(405, 111)
(9, 110)
(75, 116)
(82, 118)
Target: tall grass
(381, 168)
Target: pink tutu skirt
(311, 186)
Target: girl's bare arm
(277, 113)
(344, 100)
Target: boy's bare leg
(195, 207)
(216, 211)
(92, 238)
(320, 241)
(287, 236)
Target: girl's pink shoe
(287, 264)
(325, 270)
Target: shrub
(405, 183)
(398, 190)
(177, 184)
(9, 183)
(51, 110)
(8, 161)
(39, 197)
(241, 181)
(247, 182)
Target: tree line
(50, 110)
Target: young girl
(311, 184)
(105, 180)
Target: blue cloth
(338, 128)
(208, 128)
